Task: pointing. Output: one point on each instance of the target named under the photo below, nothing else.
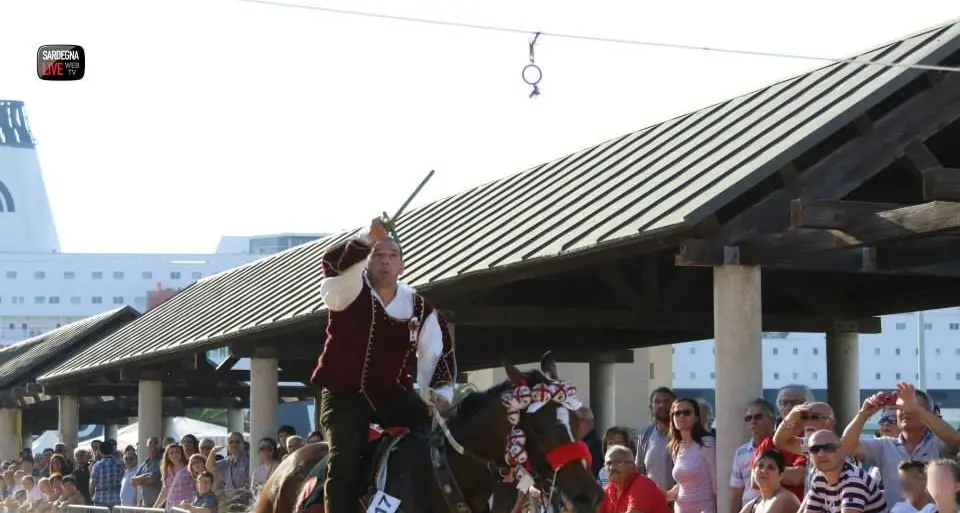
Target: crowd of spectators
(192, 474)
(797, 459)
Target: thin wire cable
(602, 39)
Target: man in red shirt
(628, 490)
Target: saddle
(386, 466)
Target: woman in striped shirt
(694, 460)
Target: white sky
(201, 118)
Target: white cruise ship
(42, 288)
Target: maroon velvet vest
(368, 351)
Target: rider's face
(385, 263)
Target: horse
(508, 499)
(535, 428)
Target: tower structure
(26, 219)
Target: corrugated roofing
(662, 177)
(54, 347)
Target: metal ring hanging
(532, 74)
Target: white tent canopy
(174, 427)
(51, 438)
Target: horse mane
(474, 402)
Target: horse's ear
(548, 366)
(513, 374)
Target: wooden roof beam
(227, 364)
(935, 256)
(821, 226)
(853, 228)
(856, 162)
(941, 184)
(617, 282)
(873, 223)
(827, 214)
(572, 318)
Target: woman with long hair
(178, 485)
(767, 473)
(694, 454)
(616, 435)
(943, 483)
(269, 459)
(59, 465)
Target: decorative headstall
(530, 399)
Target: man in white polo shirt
(760, 419)
(923, 437)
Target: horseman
(382, 337)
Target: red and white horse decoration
(526, 399)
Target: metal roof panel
(676, 172)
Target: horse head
(542, 416)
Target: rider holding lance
(377, 329)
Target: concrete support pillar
(843, 372)
(9, 434)
(235, 420)
(264, 395)
(149, 414)
(69, 421)
(737, 321)
(603, 394)
(635, 378)
(110, 432)
(661, 366)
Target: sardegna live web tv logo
(61, 63)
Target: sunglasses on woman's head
(682, 413)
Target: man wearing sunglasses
(233, 471)
(837, 485)
(923, 436)
(759, 419)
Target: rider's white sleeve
(339, 288)
(429, 350)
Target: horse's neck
(472, 470)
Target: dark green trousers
(346, 418)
